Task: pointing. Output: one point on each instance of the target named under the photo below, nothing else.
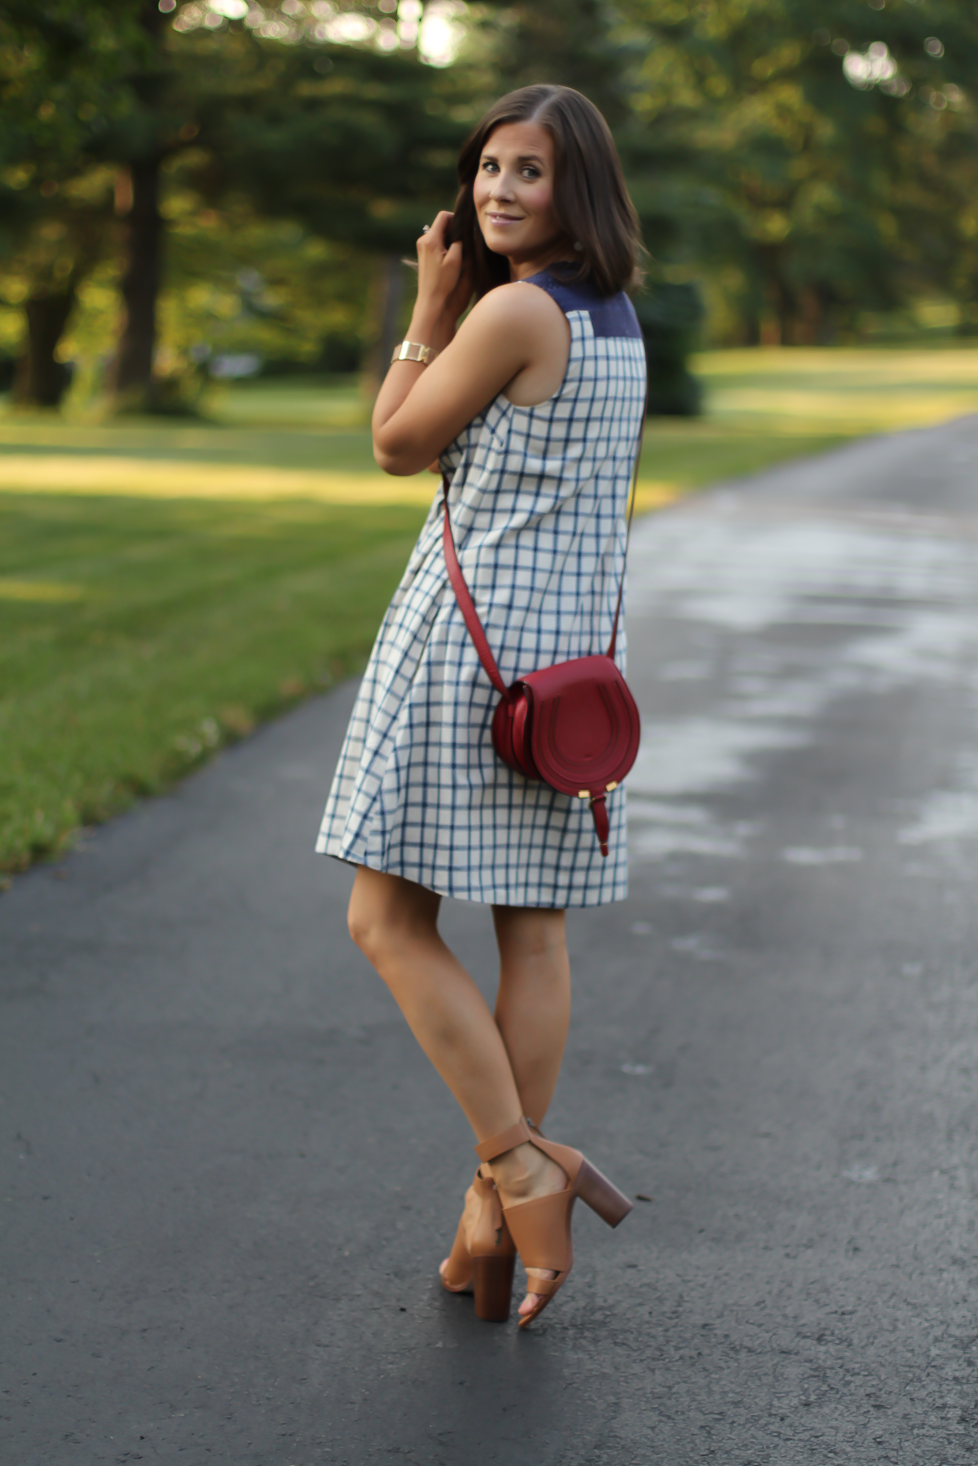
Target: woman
(539, 394)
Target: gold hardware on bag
(583, 794)
(613, 785)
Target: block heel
(597, 1192)
(493, 1286)
(483, 1266)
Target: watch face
(412, 351)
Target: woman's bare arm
(515, 338)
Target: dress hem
(481, 900)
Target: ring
(426, 229)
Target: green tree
(139, 143)
(358, 146)
(823, 137)
(61, 74)
(572, 43)
(355, 144)
(59, 237)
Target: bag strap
(466, 605)
(469, 614)
(628, 531)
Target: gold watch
(413, 351)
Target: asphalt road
(228, 1176)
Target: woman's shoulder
(514, 305)
(610, 315)
(526, 306)
(526, 319)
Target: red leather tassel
(599, 811)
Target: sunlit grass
(180, 442)
(848, 390)
(139, 634)
(128, 477)
(306, 402)
(165, 585)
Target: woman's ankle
(523, 1172)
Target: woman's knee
(370, 925)
(383, 919)
(362, 921)
(530, 934)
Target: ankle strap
(488, 1150)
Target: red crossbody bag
(575, 725)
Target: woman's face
(514, 189)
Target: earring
(578, 244)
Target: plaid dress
(538, 496)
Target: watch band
(413, 351)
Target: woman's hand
(444, 283)
(516, 338)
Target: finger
(440, 224)
(432, 239)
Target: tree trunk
(393, 292)
(141, 282)
(385, 314)
(787, 312)
(773, 314)
(825, 328)
(41, 380)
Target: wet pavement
(228, 1175)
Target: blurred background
(204, 206)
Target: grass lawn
(166, 585)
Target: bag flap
(584, 727)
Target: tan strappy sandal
(541, 1228)
(485, 1268)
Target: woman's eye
(531, 173)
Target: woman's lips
(504, 218)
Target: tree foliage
(361, 147)
(803, 160)
(833, 146)
(355, 146)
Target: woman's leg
(532, 1014)
(395, 924)
(533, 1004)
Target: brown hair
(590, 198)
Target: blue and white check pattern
(538, 496)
